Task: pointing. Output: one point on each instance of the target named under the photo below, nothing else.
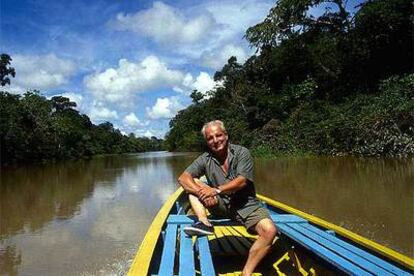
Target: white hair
(213, 123)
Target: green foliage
(315, 85)
(381, 125)
(33, 128)
(290, 17)
(5, 69)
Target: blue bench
(188, 252)
(345, 256)
(351, 258)
(325, 244)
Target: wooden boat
(307, 245)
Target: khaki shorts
(250, 221)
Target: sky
(132, 63)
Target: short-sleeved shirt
(240, 162)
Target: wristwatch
(217, 191)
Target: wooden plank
(179, 219)
(189, 219)
(389, 253)
(369, 257)
(184, 219)
(222, 239)
(212, 237)
(187, 265)
(242, 230)
(234, 232)
(321, 251)
(343, 252)
(287, 219)
(235, 241)
(246, 242)
(168, 252)
(206, 262)
(214, 246)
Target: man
(230, 191)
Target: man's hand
(210, 201)
(206, 192)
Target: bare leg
(199, 209)
(266, 230)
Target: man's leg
(199, 209)
(205, 228)
(266, 230)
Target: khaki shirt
(240, 162)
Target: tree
(34, 128)
(5, 69)
(196, 96)
(313, 75)
(291, 17)
(60, 103)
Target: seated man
(230, 191)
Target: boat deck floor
(225, 252)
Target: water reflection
(88, 217)
(82, 217)
(10, 259)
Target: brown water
(88, 217)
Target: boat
(305, 245)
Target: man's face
(216, 138)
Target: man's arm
(189, 185)
(194, 187)
(230, 187)
(233, 186)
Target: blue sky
(133, 63)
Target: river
(88, 217)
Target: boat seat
(326, 245)
(192, 253)
(349, 258)
(229, 238)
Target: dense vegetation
(340, 83)
(34, 128)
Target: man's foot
(199, 229)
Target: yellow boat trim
(393, 255)
(142, 260)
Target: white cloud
(217, 58)
(202, 83)
(100, 113)
(122, 83)
(164, 108)
(149, 133)
(203, 33)
(131, 120)
(165, 24)
(41, 72)
(237, 16)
